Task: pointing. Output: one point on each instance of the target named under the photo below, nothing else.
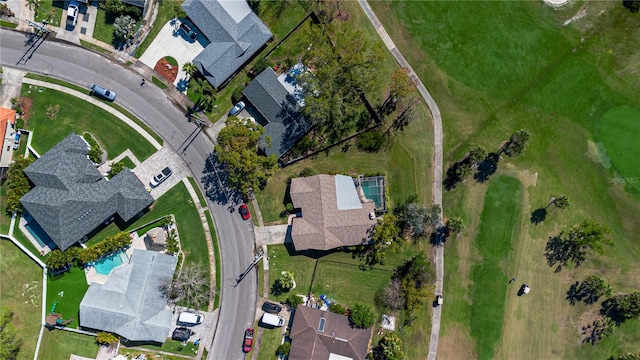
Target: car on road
(189, 31)
(271, 308)
(72, 13)
(237, 108)
(102, 92)
(160, 177)
(244, 212)
(181, 334)
(248, 340)
(188, 318)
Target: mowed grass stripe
(499, 225)
(619, 130)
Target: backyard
(59, 345)
(568, 81)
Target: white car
(72, 13)
(237, 108)
(160, 177)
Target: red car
(244, 212)
(248, 340)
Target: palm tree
(561, 202)
(477, 154)
(516, 144)
(455, 225)
(286, 280)
(190, 68)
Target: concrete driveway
(155, 163)
(171, 41)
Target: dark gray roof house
(130, 303)
(280, 109)
(71, 198)
(323, 335)
(235, 33)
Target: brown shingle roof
(338, 337)
(322, 225)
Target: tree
(392, 295)
(190, 68)
(362, 316)
(190, 287)
(106, 338)
(598, 330)
(401, 87)
(389, 348)
(112, 6)
(561, 202)
(284, 349)
(623, 306)
(237, 150)
(95, 153)
(383, 236)
(592, 288)
(286, 280)
(10, 344)
(371, 141)
(477, 154)
(455, 225)
(336, 308)
(516, 144)
(627, 356)
(415, 219)
(574, 245)
(116, 168)
(17, 183)
(172, 246)
(631, 5)
(123, 28)
(293, 301)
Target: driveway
(201, 331)
(155, 163)
(171, 41)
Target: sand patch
(596, 152)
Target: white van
(273, 320)
(187, 318)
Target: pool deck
(42, 249)
(93, 276)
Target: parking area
(171, 41)
(203, 331)
(85, 23)
(155, 163)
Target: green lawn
(166, 12)
(49, 10)
(103, 30)
(59, 345)
(75, 115)
(271, 339)
(618, 129)
(561, 83)
(8, 24)
(21, 292)
(498, 226)
(67, 290)
(216, 254)
(128, 163)
(175, 347)
(158, 83)
(5, 219)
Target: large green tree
(362, 316)
(384, 235)
(574, 245)
(9, 342)
(623, 306)
(592, 288)
(237, 150)
(415, 219)
(389, 348)
(17, 184)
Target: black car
(181, 334)
(271, 308)
(187, 30)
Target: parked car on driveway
(188, 318)
(72, 13)
(181, 334)
(271, 308)
(160, 177)
(189, 31)
(248, 340)
(237, 108)
(102, 92)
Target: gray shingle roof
(338, 337)
(130, 302)
(322, 225)
(235, 33)
(71, 198)
(275, 103)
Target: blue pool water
(38, 233)
(106, 264)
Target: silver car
(72, 13)
(102, 92)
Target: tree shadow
(277, 288)
(556, 252)
(487, 167)
(452, 178)
(538, 216)
(573, 294)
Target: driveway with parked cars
(175, 42)
(155, 163)
(203, 331)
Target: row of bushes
(76, 255)
(17, 184)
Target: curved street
(83, 67)
(436, 191)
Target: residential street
(82, 67)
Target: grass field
(75, 115)
(59, 345)
(67, 290)
(565, 80)
(103, 30)
(618, 129)
(21, 292)
(271, 339)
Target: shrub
(284, 349)
(116, 168)
(17, 184)
(337, 309)
(105, 338)
(362, 316)
(123, 28)
(306, 172)
(371, 141)
(95, 153)
(293, 301)
(237, 94)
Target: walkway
(437, 162)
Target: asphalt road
(82, 67)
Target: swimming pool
(38, 233)
(106, 264)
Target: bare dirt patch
(167, 70)
(456, 345)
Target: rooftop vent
(321, 326)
